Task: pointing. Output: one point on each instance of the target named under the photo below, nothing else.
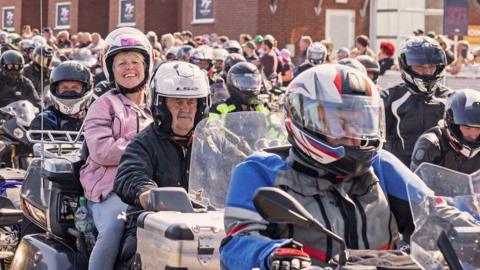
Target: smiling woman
(111, 123)
(128, 69)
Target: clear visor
(356, 117)
(316, 55)
(247, 82)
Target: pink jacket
(111, 122)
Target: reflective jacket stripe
(395, 105)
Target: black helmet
(334, 119)
(184, 53)
(353, 63)
(422, 50)
(232, 46)
(231, 60)
(12, 64)
(244, 82)
(371, 65)
(70, 102)
(42, 55)
(463, 108)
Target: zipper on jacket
(364, 222)
(350, 221)
(327, 224)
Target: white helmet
(219, 54)
(317, 53)
(178, 79)
(126, 39)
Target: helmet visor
(249, 82)
(425, 55)
(355, 117)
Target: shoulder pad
(50, 116)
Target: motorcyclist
(219, 55)
(71, 91)
(244, 83)
(13, 85)
(230, 61)
(184, 53)
(371, 65)
(203, 58)
(455, 142)
(316, 55)
(353, 63)
(160, 155)
(336, 133)
(417, 103)
(41, 60)
(232, 46)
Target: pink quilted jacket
(111, 122)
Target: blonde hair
(120, 56)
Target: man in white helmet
(160, 155)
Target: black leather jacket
(55, 120)
(20, 89)
(434, 147)
(409, 114)
(152, 159)
(33, 72)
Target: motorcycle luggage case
(174, 240)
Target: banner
(127, 12)
(202, 11)
(455, 17)
(62, 16)
(473, 35)
(8, 18)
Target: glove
(288, 258)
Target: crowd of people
(352, 144)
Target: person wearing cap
(250, 53)
(258, 44)
(187, 38)
(48, 35)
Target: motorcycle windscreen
(435, 212)
(219, 145)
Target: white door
(340, 27)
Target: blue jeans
(110, 231)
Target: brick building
(287, 20)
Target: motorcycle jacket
(152, 159)
(408, 115)
(230, 105)
(433, 146)
(301, 68)
(367, 211)
(33, 72)
(19, 89)
(55, 120)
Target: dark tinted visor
(425, 55)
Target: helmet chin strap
(134, 89)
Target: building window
(62, 15)
(202, 11)
(126, 13)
